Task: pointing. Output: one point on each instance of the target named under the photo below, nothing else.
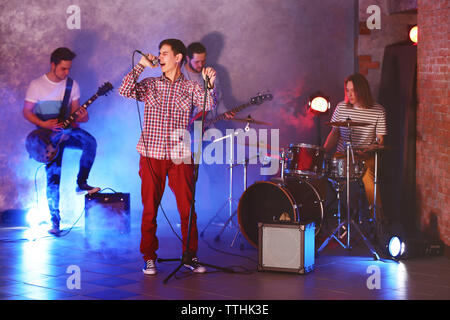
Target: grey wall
(290, 47)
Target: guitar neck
(74, 114)
(222, 116)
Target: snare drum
(337, 168)
(304, 160)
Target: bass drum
(293, 200)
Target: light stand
(187, 256)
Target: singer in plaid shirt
(169, 100)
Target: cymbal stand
(377, 222)
(337, 186)
(349, 220)
(230, 199)
(217, 238)
(230, 219)
(375, 182)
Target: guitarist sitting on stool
(49, 100)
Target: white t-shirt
(48, 96)
(364, 135)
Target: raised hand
(211, 73)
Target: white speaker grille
(281, 247)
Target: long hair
(362, 90)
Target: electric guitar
(257, 100)
(43, 144)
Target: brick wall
(396, 16)
(433, 118)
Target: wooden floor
(46, 269)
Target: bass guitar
(43, 144)
(257, 100)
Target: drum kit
(295, 195)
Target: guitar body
(43, 145)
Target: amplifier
(107, 213)
(286, 247)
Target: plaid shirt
(168, 108)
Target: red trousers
(153, 173)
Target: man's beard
(192, 68)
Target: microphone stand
(187, 256)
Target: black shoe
(85, 188)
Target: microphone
(208, 84)
(154, 62)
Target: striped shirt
(168, 108)
(364, 135)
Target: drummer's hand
(363, 154)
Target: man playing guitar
(44, 108)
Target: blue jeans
(77, 139)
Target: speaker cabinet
(286, 247)
(107, 214)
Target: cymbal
(249, 120)
(347, 123)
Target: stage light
(413, 34)
(396, 247)
(37, 216)
(319, 103)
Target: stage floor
(47, 269)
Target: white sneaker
(150, 267)
(195, 266)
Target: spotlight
(413, 34)
(319, 103)
(396, 244)
(36, 216)
(396, 247)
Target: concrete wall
(290, 47)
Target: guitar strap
(64, 112)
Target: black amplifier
(107, 213)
